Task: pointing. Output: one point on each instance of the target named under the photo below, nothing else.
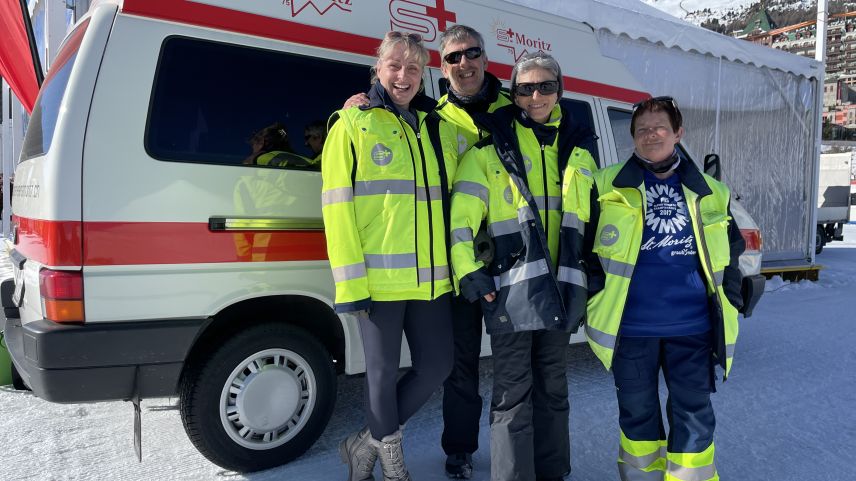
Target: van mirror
(712, 166)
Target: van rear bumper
(103, 361)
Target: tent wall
(762, 123)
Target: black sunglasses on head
(664, 98)
(472, 53)
(547, 87)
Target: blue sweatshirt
(667, 296)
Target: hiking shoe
(459, 466)
(358, 453)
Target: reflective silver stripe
(553, 203)
(616, 268)
(335, 196)
(702, 473)
(349, 272)
(572, 276)
(380, 187)
(440, 273)
(729, 350)
(718, 277)
(510, 226)
(629, 473)
(435, 191)
(390, 261)
(472, 188)
(641, 462)
(601, 338)
(525, 272)
(572, 221)
(525, 214)
(462, 234)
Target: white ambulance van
(151, 260)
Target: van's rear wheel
(260, 399)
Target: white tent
(757, 107)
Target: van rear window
(40, 130)
(225, 104)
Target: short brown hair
(657, 104)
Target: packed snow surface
(786, 412)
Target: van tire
(224, 397)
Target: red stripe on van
(52, 243)
(65, 243)
(124, 243)
(235, 21)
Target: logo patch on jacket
(507, 195)
(609, 235)
(381, 155)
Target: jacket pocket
(716, 239)
(614, 235)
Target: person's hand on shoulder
(356, 100)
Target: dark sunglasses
(547, 87)
(472, 53)
(413, 37)
(664, 98)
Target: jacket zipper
(416, 202)
(430, 217)
(546, 196)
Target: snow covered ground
(785, 414)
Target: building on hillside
(839, 90)
(757, 27)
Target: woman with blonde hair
(385, 202)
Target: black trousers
(461, 400)
(391, 401)
(529, 410)
(689, 374)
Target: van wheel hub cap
(267, 399)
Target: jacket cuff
(477, 284)
(361, 305)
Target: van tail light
(752, 238)
(62, 295)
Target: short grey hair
(531, 61)
(459, 33)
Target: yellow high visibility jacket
(506, 179)
(617, 240)
(383, 204)
(468, 132)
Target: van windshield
(40, 130)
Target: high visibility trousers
(645, 452)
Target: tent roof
(638, 20)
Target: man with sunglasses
(661, 258)
(472, 90)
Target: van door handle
(224, 223)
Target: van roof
(344, 25)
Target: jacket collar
(632, 175)
(379, 98)
(488, 94)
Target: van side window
(216, 103)
(581, 113)
(620, 122)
